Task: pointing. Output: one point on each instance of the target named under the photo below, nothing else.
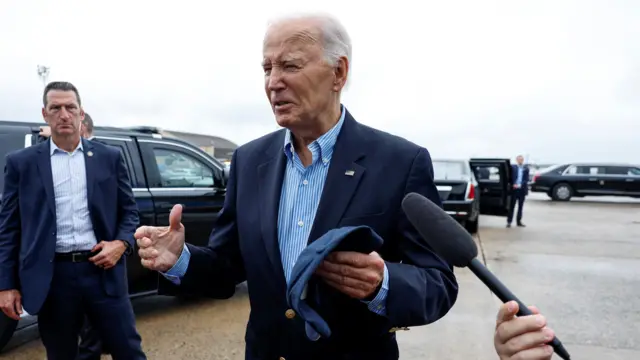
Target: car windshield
(450, 170)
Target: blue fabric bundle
(302, 292)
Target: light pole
(43, 73)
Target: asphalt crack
(481, 248)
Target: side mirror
(226, 172)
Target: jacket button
(290, 314)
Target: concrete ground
(579, 262)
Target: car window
(178, 169)
(487, 173)
(8, 142)
(633, 171)
(586, 170)
(617, 170)
(456, 170)
(120, 145)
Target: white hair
(336, 42)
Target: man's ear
(341, 72)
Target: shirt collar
(53, 147)
(325, 143)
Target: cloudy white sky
(558, 80)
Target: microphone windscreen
(445, 235)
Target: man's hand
(160, 247)
(45, 131)
(11, 303)
(110, 253)
(522, 338)
(354, 274)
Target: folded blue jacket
(303, 291)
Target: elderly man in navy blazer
(324, 170)
(68, 218)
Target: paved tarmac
(579, 262)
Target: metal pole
(43, 73)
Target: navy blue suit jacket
(244, 246)
(28, 218)
(525, 178)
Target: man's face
(63, 113)
(298, 82)
(520, 160)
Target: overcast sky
(558, 80)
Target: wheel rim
(563, 192)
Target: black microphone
(452, 241)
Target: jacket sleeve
(213, 270)
(422, 287)
(128, 216)
(9, 227)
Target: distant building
(217, 147)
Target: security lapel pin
(90, 153)
(349, 172)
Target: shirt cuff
(378, 304)
(180, 268)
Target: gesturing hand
(355, 274)
(160, 247)
(522, 338)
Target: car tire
(472, 226)
(562, 192)
(7, 327)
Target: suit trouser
(517, 196)
(91, 346)
(76, 289)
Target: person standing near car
(90, 347)
(67, 221)
(519, 189)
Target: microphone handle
(505, 295)
(497, 287)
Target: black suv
(163, 172)
(562, 182)
(472, 187)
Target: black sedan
(562, 182)
(472, 187)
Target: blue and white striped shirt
(74, 228)
(299, 199)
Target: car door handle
(629, 180)
(166, 206)
(593, 179)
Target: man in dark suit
(90, 347)
(67, 219)
(323, 171)
(519, 189)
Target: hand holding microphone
(452, 242)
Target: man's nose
(64, 113)
(274, 80)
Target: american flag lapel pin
(349, 172)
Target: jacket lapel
(90, 164)
(342, 179)
(270, 177)
(44, 168)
